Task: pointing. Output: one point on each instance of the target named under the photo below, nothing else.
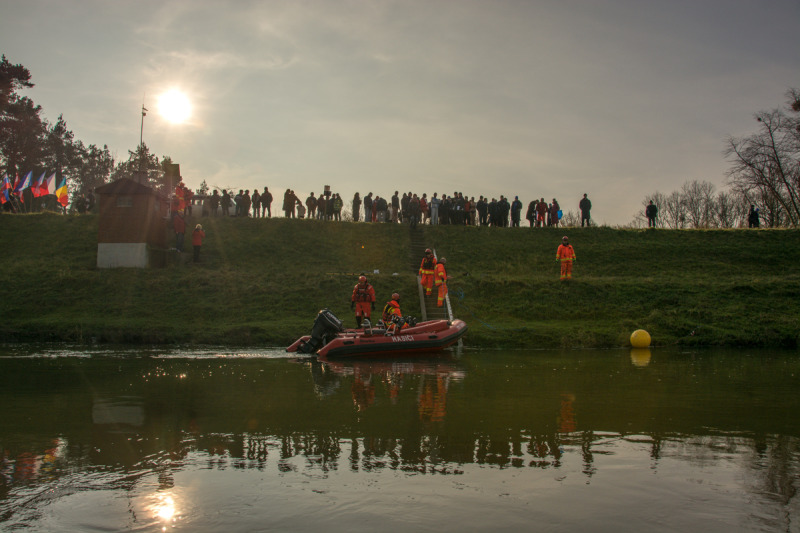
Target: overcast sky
(540, 98)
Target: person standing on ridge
(363, 300)
(266, 203)
(426, 271)
(651, 212)
(554, 210)
(440, 277)
(566, 255)
(585, 206)
(356, 207)
(516, 208)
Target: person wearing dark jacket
(651, 212)
(368, 208)
(356, 207)
(585, 205)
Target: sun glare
(174, 106)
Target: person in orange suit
(566, 255)
(392, 314)
(363, 300)
(391, 309)
(440, 277)
(426, 271)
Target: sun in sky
(174, 106)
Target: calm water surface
(215, 440)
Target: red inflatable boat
(330, 340)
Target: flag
(23, 184)
(50, 188)
(36, 188)
(5, 190)
(61, 193)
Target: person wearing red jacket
(363, 300)
(426, 271)
(440, 277)
(566, 255)
(392, 316)
(197, 241)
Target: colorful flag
(5, 190)
(23, 184)
(61, 193)
(36, 188)
(50, 187)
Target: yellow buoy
(640, 339)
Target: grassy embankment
(262, 282)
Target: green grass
(261, 282)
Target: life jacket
(428, 262)
(362, 294)
(391, 309)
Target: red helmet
(428, 251)
(395, 297)
(362, 279)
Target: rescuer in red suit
(426, 271)
(363, 300)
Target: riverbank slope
(262, 281)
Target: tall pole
(141, 132)
(141, 141)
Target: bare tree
(728, 210)
(767, 164)
(570, 219)
(673, 215)
(698, 201)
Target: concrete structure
(132, 225)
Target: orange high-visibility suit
(390, 310)
(364, 298)
(440, 275)
(565, 254)
(426, 273)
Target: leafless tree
(673, 214)
(728, 210)
(767, 164)
(698, 198)
(570, 219)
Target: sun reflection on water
(164, 509)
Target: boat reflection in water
(221, 441)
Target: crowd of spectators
(406, 207)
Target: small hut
(131, 225)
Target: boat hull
(424, 338)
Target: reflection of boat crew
(432, 404)
(363, 392)
(426, 271)
(440, 275)
(363, 300)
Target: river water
(136, 439)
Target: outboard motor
(325, 327)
